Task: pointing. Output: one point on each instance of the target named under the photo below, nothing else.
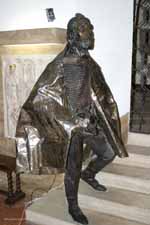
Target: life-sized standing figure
(71, 104)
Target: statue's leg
(103, 155)
(72, 177)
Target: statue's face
(86, 35)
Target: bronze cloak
(46, 122)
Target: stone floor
(34, 185)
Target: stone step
(129, 171)
(124, 182)
(112, 208)
(52, 209)
(135, 160)
(126, 202)
(139, 150)
(139, 139)
(94, 218)
(113, 194)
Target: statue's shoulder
(94, 63)
(57, 61)
(95, 66)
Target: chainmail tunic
(77, 81)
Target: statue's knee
(109, 155)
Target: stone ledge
(33, 36)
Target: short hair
(74, 26)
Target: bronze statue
(70, 110)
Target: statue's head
(80, 32)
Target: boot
(89, 178)
(77, 214)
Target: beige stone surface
(131, 171)
(34, 186)
(29, 49)
(7, 147)
(134, 160)
(139, 150)
(124, 127)
(33, 36)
